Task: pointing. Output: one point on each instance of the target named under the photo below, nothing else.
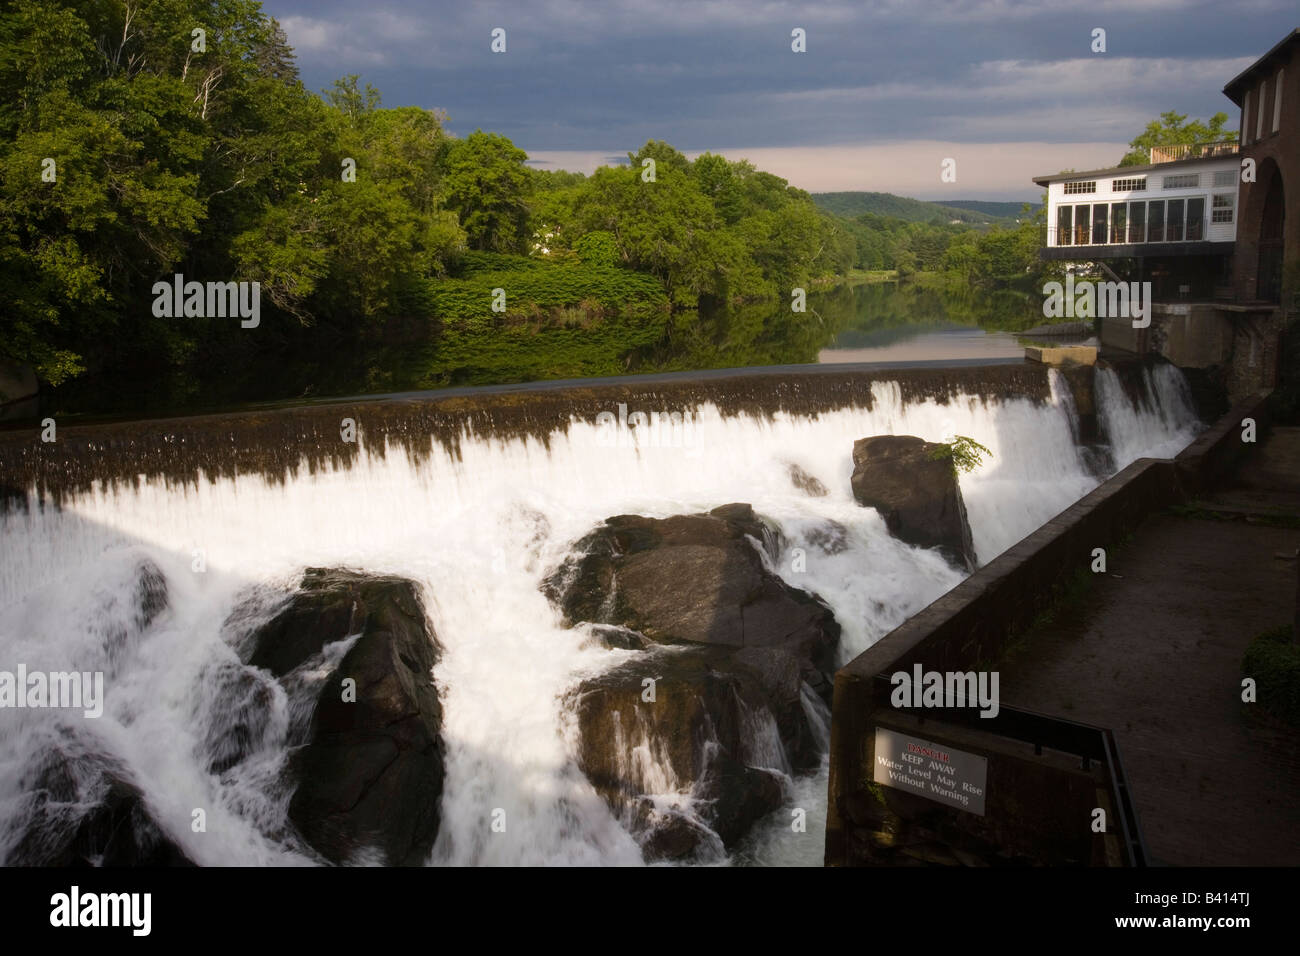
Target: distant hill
(975, 212)
(996, 210)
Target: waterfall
(1158, 422)
(156, 583)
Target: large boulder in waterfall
(329, 607)
(729, 647)
(696, 737)
(915, 492)
(697, 579)
(369, 779)
(82, 809)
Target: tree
(489, 187)
(354, 103)
(1173, 130)
(666, 227)
(274, 56)
(717, 180)
(965, 454)
(665, 156)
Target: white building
(1181, 204)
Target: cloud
(995, 171)
(584, 80)
(331, 40)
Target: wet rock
(739, 796)
(694, 738)
(806, 482)
(122, 631)
(234, 706)
(83, 810)
(328, 607)
(673, 836)
(917, 495)
(370, 777)
(830, 537)
(619, 638)
(728, 648)
(694, 579)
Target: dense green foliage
(533, 289)
(1273, 661)
(136, 148)
(708, 228)
(1172, 129)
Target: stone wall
(1240, 346)
(1203, 463)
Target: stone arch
(1272, 229)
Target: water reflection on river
(876, 322)
(910, 321)
(957, 342)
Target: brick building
(1268, 229)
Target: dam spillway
(478, 499)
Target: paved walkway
(1155, 655)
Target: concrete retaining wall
(970, 627)
(1204, 463)
(1192, 334)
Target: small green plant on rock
(965, 454)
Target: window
(1245, 119)
(1225, 177)
(1277, 101)
(1195, 218)
(1221, 208)
(1156, 221)
(1099, 224)
(1118, 221)
(1174, 221)
(1137, 222)
(1182, 181)
(1064, 224)
(1081, 224)
(1080, 187)
(1128, 185)
(1259, 110)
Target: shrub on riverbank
(1273, 660)
(537, 290)
(561, 319)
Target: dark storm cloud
(593, 78)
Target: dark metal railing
(1172, 154)
(1087, 234)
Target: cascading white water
(1159, 425)
(479, 534)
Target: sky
(884, 93)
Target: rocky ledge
(915, 492)
(691, 741)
